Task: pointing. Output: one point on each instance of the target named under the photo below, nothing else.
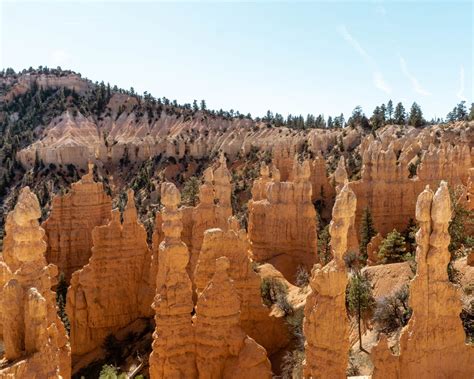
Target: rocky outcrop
(327, 341)
(70, 224)
(34, 338)
(223, 350)
(432, 345)
(282, 227)
(104, 296)
(255, 320)
(174, 354)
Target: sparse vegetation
(367, 231)
(392, 312)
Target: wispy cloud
(378, 79)
(355, 44)
(460, 93)
(414, 81)
(380, 82)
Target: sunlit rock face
(107, 293)
(432, 345)
(70, 224)
(327, 341)
(282, 226)
(34, 338)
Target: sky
(287, 57)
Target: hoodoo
(34, 338)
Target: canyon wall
(70, 224)
(34, 338)
(282, 226)
(384, 173)
(105, 295)
(432, 344)
(326, 326)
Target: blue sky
(310, 57)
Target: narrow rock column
(173, 353)
(326, 325)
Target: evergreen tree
(367, 231)
(360, 300)
(461, 111)
(330, 123)
(190, 193)
(400, 115)
(389, 111)
(393, 248)
(358, 118)
(471, 112)
(324, 245)
(203, 105)
(416, 116)
(378, 118)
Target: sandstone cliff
(432, 345)
(35, 340)
(385, 171)
(173, 353)
(222, 348)
(282, 227)
(327, 340)
(104, 296)
(70, 224)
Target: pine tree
(367, 231)
(399, 115)
(389, 112)
(203, 105)
(416, 116)
(393, 248)
(471, 112)
(461, 111)
(324, 245)
(190, 193)
(360, 300)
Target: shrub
(467, 317)
(460, 217)
(393, 312)
(292, 365)
(302, 276)
(111, 372)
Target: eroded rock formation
(327, 340)
(34, 338)
(106, 294)
(223, 350)
(282, 226)
(432, 345)
(174, 353)
(268, 331)
(70, 224)
(388, 191)
(213, 210)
